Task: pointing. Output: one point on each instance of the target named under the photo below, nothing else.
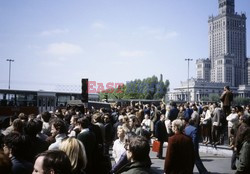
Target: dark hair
(246, 119)
(195, 107)
(31, 128)
(18, 144)
(191, 122)
(59, 125)
(139, 147)
(84, 122)
(97, 117)
(57, 161)
(173, 104)
(32, 116)
(227, 87)
(39, 125)
(18, 125)
(46, 116)
(5, 163)
(75, 117)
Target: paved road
(214, 164)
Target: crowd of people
(70, 141)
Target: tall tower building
(227, 45)
(203, 67)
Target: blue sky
(55, 43)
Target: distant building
(227, 45)
(199, 90)
(203, 67)
(227, 63)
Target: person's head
(173, 104)
(120, 118)
(186, 105)
(75, 150)
(58, 126)
(125, 119)
(23, 117)
(181, 108)
(205, 108)
(52, 162)
(97, 117)
(5, 163)
(39, 124)
(74, 119)
(120, 132)
(32, 128)
(245, 119)
(132, 121)
(215, 105)
(178, 125)
(191, 122)
(106, 119)
(16, 145)
(226, 88)
(194, 107)
(233, 110)
(138, 148)
(162, 117)
(146, 116)
(83, 122)
(46, 116)
(31, 117)
(18, 125)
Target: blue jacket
(192, 132)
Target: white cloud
(51, 63)
(168, 35)
(156, 33)
(63, 49)
(98, 25)
(137, 53)
(54, 32)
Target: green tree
(214, 97)
(241, 101)
(148, 88)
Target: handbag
(156, 146)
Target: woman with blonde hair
(75, 150)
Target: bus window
(21, 100)
(31, 100)
(62, 100)
(3, 101)
(11, 99)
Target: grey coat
(217, 114)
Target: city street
(214, 164)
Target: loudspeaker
(85, 95)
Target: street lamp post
(9, 60)
(188, 78)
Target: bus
(13, 102)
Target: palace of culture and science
(227, 63)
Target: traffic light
(85, 95)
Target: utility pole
(188, 79)
(9, 60)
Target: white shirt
(118, 149)
(148, 124)
(58, 142)
(232, 119)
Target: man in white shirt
(118, 147)
(232, 119)
(59, 131)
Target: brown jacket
(180, 155)
(226, 98)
